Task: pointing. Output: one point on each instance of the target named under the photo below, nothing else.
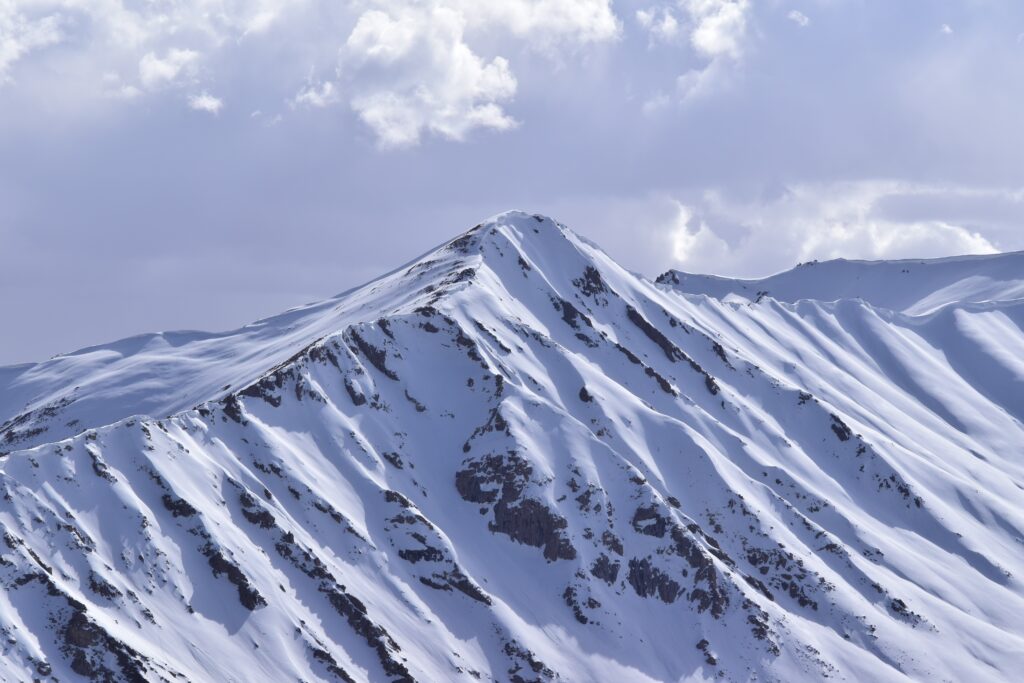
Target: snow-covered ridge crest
(163, 373)
(512, 459)
(912, 286)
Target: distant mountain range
(514, 460)
(915, 287)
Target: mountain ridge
(546, 469)
(913, 286)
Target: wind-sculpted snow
(513, 460)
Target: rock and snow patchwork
(513, 460)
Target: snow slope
(514, 460)
(915, 287)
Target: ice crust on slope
(514, 460)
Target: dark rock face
(90, 649)
(665, 385)
(495, 421)
(525, 520)
(757, 618)
(267, 387)
(591, 283)
(783, 572)
(841, 429)
(331, 664)
(357, 396)
(428, 553)
(704, 646)
(81, 632)
(720, 352)
(446, 581)
(671, 351)
(247, 593)
(376, 637)
(532, 523)
(711, 595)
(605, 569)
(648, 581)
(100, 468)
(377, 357)
(233, 409)
(255, 513)
(525, 663)
(31, 424)
(647, 521)
(463, 244)
(509, 473)
(571, 315)
(343, 602)
(418, 541)
(572, 602)
(669, 277)
(100, 586)
(179, 507)
(612, 542)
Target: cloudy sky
(200, 163)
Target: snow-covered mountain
(916, 287)
(514, 460)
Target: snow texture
(514, 460)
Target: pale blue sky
(202, 163)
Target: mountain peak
(519, 229)
(510, 456)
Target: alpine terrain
(514, 460)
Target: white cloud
(698, 83)
(946, 30)
(799, 18)
(104, 36)
(692, 240)
(204, 101)
(545, 24)
(656, 103)
(716, 30)
(711, 234)
(157, 72)
(317, 95)
(259, 15)
(408, 67)
(21, 34)
(116, 89)
(660, 23)
(719, 26)
(257, 115)
(413, 72)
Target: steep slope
(514, 460)
(915, 287)
(163, 374)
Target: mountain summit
(514, 460)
